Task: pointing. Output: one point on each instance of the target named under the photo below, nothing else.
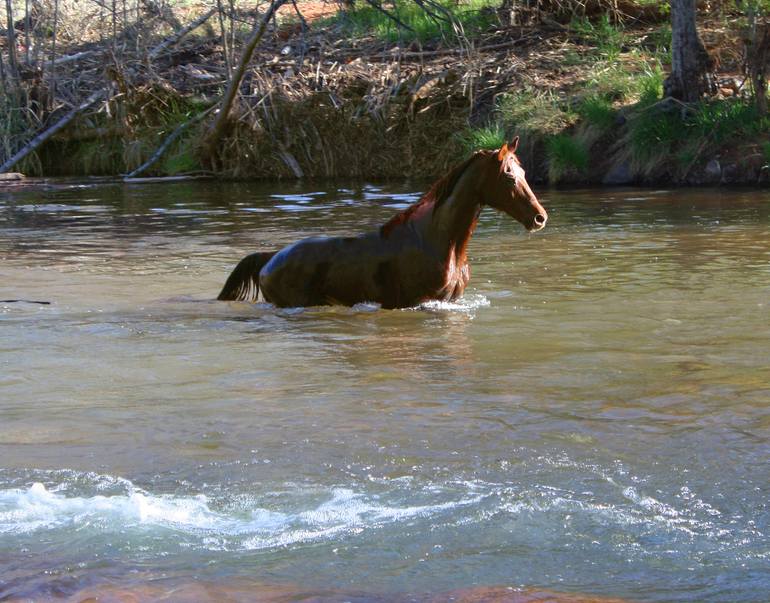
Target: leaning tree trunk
(690, 62)
(757, 53)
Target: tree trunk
(757, 52)
(11, 33)
(690, 62)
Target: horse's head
(511, 193)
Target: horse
(418, 255)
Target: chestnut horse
(419, 255)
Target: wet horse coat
(419, 255)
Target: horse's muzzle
(538, 222)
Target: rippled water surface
(592, 417)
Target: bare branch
(218, 127)
(167, 143)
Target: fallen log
(46, 134)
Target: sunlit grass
(450, 20)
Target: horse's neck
(454, 221)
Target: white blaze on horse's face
(518, 199)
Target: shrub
(565, 154)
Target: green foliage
(603, 34)
(766, 151)
(17, 126)
(487, 137)
(597, 111)
(565, 154)
(659, 41)
(722, 120)
(450, 20)
(690, 133)
(650, 85)
(753, 7)
(652, 134)
(182, 159)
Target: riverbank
(336, 95)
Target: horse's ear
(502, 152)
(514, 145)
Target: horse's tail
(243, 282)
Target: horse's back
(308, 273)
(349, 270)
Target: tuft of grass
(536, 111)
(628, 81)
(565, 154)
(659, 41)
(598, 112)
(722, 120)
(487, 137)
(651, 136)
(650, 85)
(607, 38)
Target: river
(593, 416)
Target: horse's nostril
(540, 219)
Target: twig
(74, 57)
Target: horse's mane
(436, 195)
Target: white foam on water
(467, 304)
(94, 506)
(246, 526)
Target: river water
(593, 416)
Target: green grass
(530, 110)
(603, 34)
(450, 21)
(597, 111)
(486, 137)
(687, 135)
(181, 158)
(565, 154)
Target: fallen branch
(217, 129)
(74, 57)
(167, 178)
(174, 38)
(46, 134)
(167, 143)
(436, 53)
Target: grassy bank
(363, 94)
